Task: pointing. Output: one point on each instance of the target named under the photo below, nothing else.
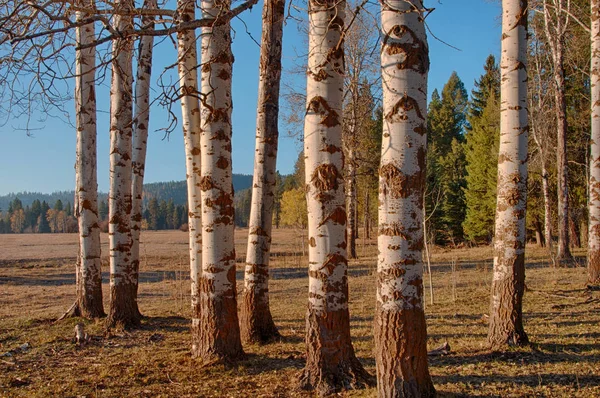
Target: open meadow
(37, 279)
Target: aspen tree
(556, 20)
(123, 276)
(506, 312)
(89, 274)
(594, 189)
(400, 330)
(331, 364)
(256, 321)
(218, 334)
(140, 134)
(190, 114)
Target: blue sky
(44, 161)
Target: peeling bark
(123, 276)
(400, 330)
(190, 115)
(256, 322)
(331, 364)
(89, 274)
(140, 136)
(506, 320)
(218, 332)
(594, 187)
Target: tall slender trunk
(89, 274)
(256, 321)
(400, 329)
(219, 332)
(140, 136)
(594, 188)
(351, 200)
(123, 277)
(367, 217)
(547, 208)
(555, 28)
(506, 312)
(190, 115)
(331, 364)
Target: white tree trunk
(330, 360)
(89, 273)
(256, 321)
(190, 115)
(140, 135)
(506, 323)
(218, 336)
(400, 330)
(123, 278)
(594, 200)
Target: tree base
(593, 267)
(256, 322)
(331, 364)
(216, 332)
(508, 340)
(401, 354)
(123, 312)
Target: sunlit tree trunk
(218, 336)
(506, 321)
(140, 136)
(594, 189)
(400, 330)
(190, 115)
(331, 364)
(555, 27)
(89, 273)
(256, 321)
(123, 277)
(351, 203)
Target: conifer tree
(481, 155)
(446, 124)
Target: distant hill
(176, 190)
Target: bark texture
(331, 364)
(140, 136)
(89, 273)
(506, 322)
(256, 321)
(123, 276)
(400, 330)
(594, 189)
(190, 115)
(218, 338)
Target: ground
(562, 319)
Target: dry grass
(37, 286)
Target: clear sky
(43, 162)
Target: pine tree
(481, 152)
(446, 125)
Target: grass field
(37, 280)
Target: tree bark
(506, 320)
(190, 116)
(123, 277)
(594, 189)
(400, 330)
(331, 364)
(219, 332)
(89, 273)
(351, 201)
(141, 122)
(256, 322)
